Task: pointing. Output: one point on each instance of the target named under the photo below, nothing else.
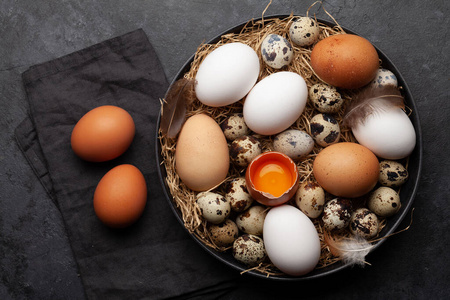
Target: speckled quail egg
(249, 249)
(310, 199)
(392, 174)
(384, 77)
(251, 221)
(294, 143)
(234, 126)
(237, 194)
(276, 51)
(224, 234)
(213, 207)
(325, 129)
(337, 213)
(364, 223)
(325, 98)
(304, 31)
(384, 201)
(244, 149)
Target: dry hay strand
(252, 34)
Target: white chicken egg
(275, 103)
(227, 74)
(291, 240)
(388, 134)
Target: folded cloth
(154, 258)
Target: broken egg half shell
(272, 178)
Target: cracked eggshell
(336, 214)
(384, 77)
(276, 51)
(234, 127)
(364, 223)
(224, 234)
(384, 201)
(252, 220)
(392, 174)
(325, 130)
(310, 199)
(237, 194)
(249, 249)
(294, 143)
(304, 31)
(325, 98)
(213, 207)
(244, 149)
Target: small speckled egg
(237, 194)
(244, 149)
(310, 199)
(364, 223)
(294, 143)
(336, 214)
(234, 127)
(384, 201)
(392, 174)
(252, 220)
(213, 207)
(276, 51)
(325, 98)
(325, 130)
(384, 77)
(304, 31)
(224, 234)
(249, 249)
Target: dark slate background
(36, 261)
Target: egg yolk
(272, 177)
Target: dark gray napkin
(154, 258)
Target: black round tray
(407, 194)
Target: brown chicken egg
(201, 156)
(103, 133)
(120, 196)
(345, 60)
(346, 169)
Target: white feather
(352, 250)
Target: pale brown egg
(346, 169)
(201, 157)
(120, 196)
(103, 133)
(345, 60)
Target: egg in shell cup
(184, 199)
(272, 178)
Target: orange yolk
(272, 177)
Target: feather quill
(351, 250)
(372, 100)
(173, 111)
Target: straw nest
(252, 34)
